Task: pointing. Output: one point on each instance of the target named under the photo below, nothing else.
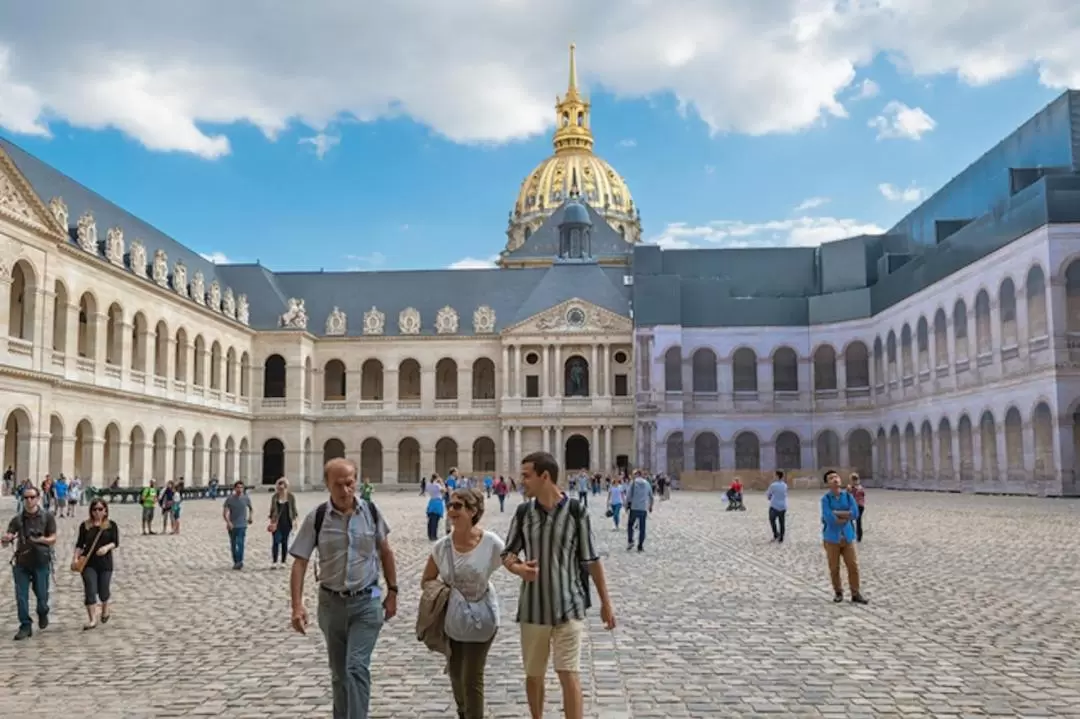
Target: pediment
(574, 316)
(18, 202)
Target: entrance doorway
(577, 454)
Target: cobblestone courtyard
(975, 611)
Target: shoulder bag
(469, 622)
(80, 564)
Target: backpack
(576, 511)
(320, 517)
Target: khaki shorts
(539, 641)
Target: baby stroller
(735, 501)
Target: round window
(532, 358)
(575, 317)
(620, 357)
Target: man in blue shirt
(838, 514)
(777, 496)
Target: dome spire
(572, 132)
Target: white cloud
(810, 203)
(866, 90)
(218, 258)
(322, 143)
(908, 195)
(897, 121)
(472, 263)
(796, 232)
(175, 77)
(628, 142)
(370, 261)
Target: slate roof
(605, 241)
(514, 294)
(48, 182)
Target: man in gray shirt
(639, 501)
(777, 496)
(237, 514)
(353, 543)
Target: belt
(346, 593)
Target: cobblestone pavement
(975, 611)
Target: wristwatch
(392, 588)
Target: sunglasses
(457, 505)
(99, 509)
(30, 496)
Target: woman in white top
(616, 495)
(465, 559)
(435, 506)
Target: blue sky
(396, 192)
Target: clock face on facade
(575, 317)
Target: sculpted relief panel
(228, 305)
(242, 309)
(87, 233)
(59, 210)
(578, 317)
(374, 321)
(179, 279)
(114, 246)
(198, 288)
(296, 316)
(138, 258)
(446, 321)
(161, 268)
(336, 322)
(409, 321)
(483, 320)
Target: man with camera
(34, 532)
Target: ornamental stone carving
(215, 296)
(336, 323)
(87, 233)
(114, 246)
(12, 201)
(295, 318)
(374, 321)
(483, 320)
(446, 321)
(5, 271)
(242, 309)
(409, 321)
(137, 256)
(198, 288)
(59, 210)
(161, 268)
(179, 278)
(228, 305)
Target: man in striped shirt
(554, 533)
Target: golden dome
(573, 168)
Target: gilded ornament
(161, 268)
(409, 321)
(198, 287)
(296, 316)
(137, 257)
(336, 322)
(87, 233)
(483, 320)
(179, 279)
(446, 321)
(59, 210)
(374, 321)
(114, 246)
(242, 309)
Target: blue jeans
(236, 544)
(351, 627)
(280, 543)
(38, 578)
(637, 516)
(433, 526)
(616, 510)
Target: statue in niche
(242, 309)
(161, 268)
(229, 303)
(137, 258)
(577, 378)
(296, 316)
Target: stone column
(464, 383)
(519, 385)
(609, 461)
(545, 438)
(127, 348)
(5, 302)
(517, 447)
(545, 372)
(71, 335)
(559, 446)
(101, 339)
(594, 449)
(389, 465)
(45, 310)
(504, 451)
(390, 384)
(506, 371)
(557, 373)
(595, 371)
(427, 387)
(67, 454)
(124, 463)
(97, 462)
(996, 338)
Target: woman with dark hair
(283, 516)
(98, 537)
(465, 559)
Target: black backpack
(576, 511)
